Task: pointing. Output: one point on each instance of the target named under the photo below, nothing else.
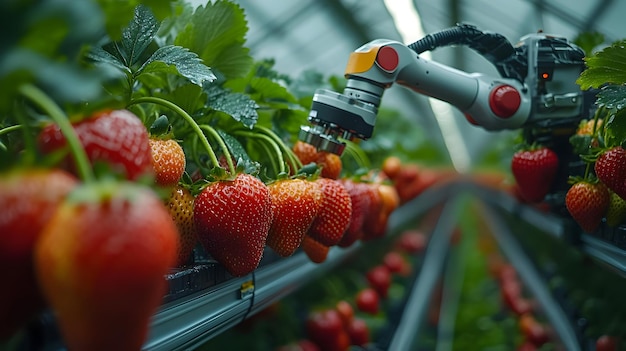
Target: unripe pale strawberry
(180, 206)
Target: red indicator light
(545, 75)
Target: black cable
(494, 47)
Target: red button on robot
(387, 58)
(504, 100)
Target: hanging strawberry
(117, 138)
(587, 202)
(233, 218)
(534, 170)
(295, 204)
(610, 168)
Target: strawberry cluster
(597, 196)
(109, 242)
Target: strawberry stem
(40, 99)
(357, 154)
(172, 106)
(10, 129)
(293, 160)
(222, 145)
(271, 142)
(275, 167)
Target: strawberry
(360, 197)
(295, 204)
(168, 161)
(101, 262)
(610, 168)
(376, 224)
(330, 164)
(28, 198)
(587, 203)
(180, 207)
(587, 127)
(233, 219)
(379, 279)
(534, 171)
(117, 138)
(616, 213)
(315, 251)
(334, 216)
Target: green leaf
(589, 41)
(616, 128)
(64, 82)
(138, 35)
(179, 18)
(239, 106)
(612, 97)
(580, 143)
(216, 32)
(189, 97)
(178, 60)
(119, 13)
(262, 89)
(101, 56)
(237, 151)
(606, 67)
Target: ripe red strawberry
(534, 171)
(315, 251)
(117, 138)
(379, 279)
(334, 216)
(330, 164)
(610, 168)
(180, 207)
(168, 161)
(233, 219)
(616, 213)
(28, 198)
(587, 203)
(360, 197)
(101, 262)
(295, 204)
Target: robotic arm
(537, 86)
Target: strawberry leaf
(616, 128)
(239, 106)
(178, 60)
(235, 148)
(216, 32)
(580, 143)
(612, 97)
(588, 41)
(608, 66)
(118, 14)
(101, 56)
(138, 35)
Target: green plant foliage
(606, 67)
(216, 32)
(41, 44)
